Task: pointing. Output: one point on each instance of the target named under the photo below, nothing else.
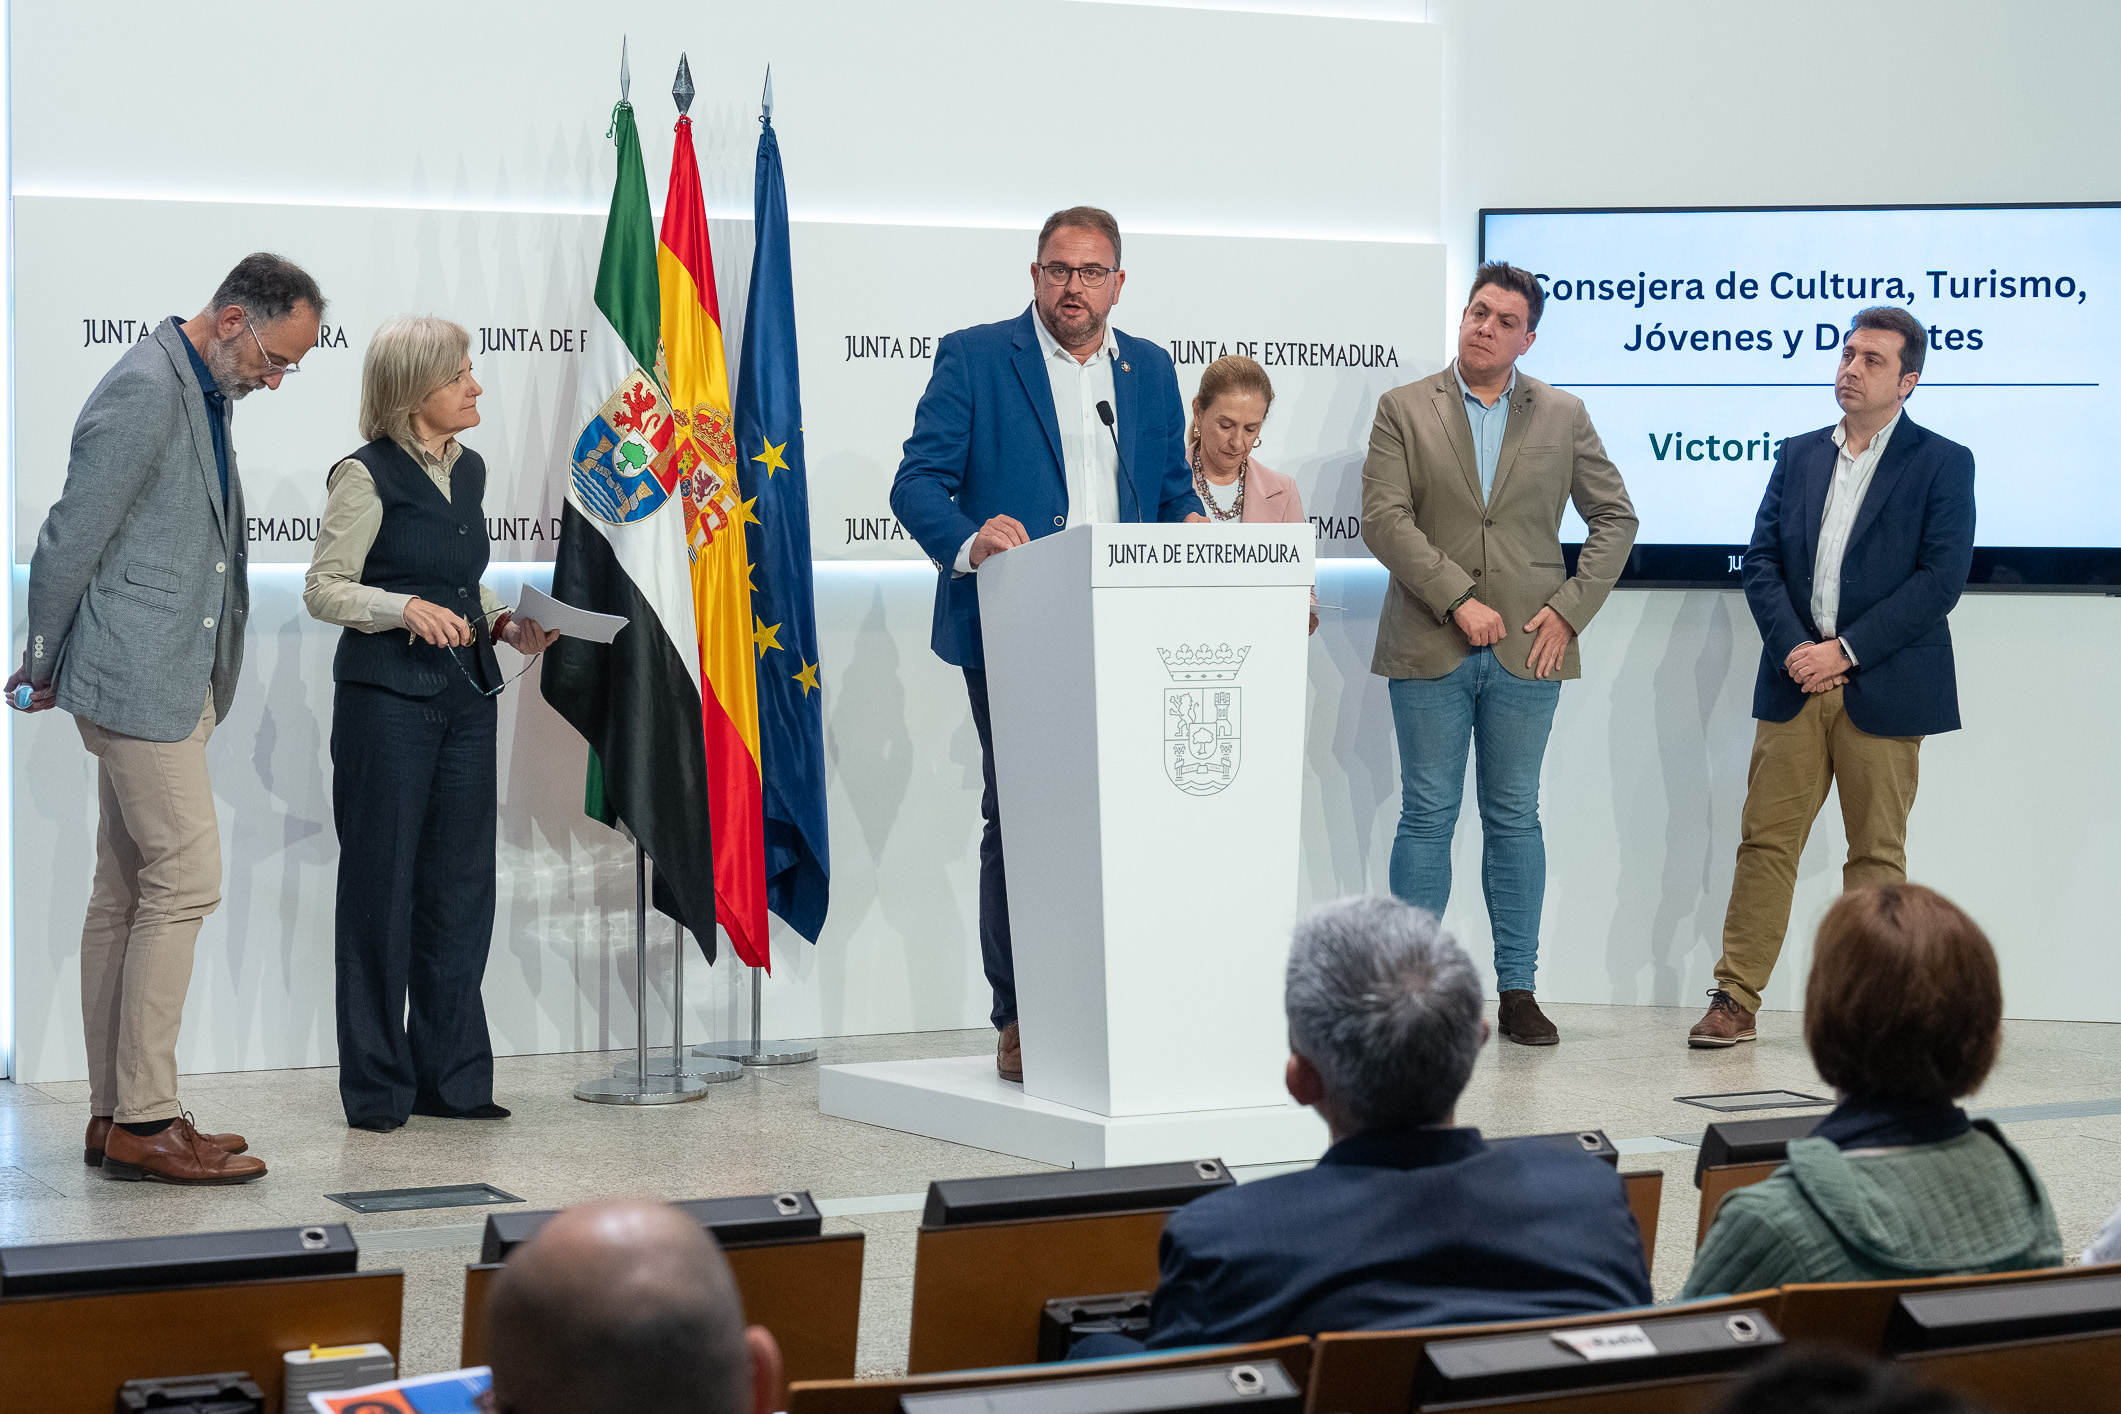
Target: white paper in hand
(566, 619)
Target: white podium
(1147, 685)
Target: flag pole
(713, 1070)
(626, 1085)
(757, 1051)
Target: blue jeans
(1505, 719)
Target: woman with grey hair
(397, 565)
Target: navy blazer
(986, 442)
(1396, 1229)
(1906, 563)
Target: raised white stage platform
(963, 1100)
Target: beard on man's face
(222, 361)
(1075, 325)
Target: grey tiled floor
(1617, 1069)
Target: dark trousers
(413, 793)
(994, 949)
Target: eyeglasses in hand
(493, 691)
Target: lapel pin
(1126, 368)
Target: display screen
(1699, 339)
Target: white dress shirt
(1852, 481)
(1089, 460)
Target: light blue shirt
(1488, 424)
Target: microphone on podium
(1126, 477)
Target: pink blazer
(1270, 496)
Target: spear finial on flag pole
(766, 98)
(681, 91)
(625, 74)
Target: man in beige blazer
(1462, 497)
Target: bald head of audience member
(625, 1304)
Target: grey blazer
(138, 590)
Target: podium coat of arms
(1203, 718)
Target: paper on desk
(453, 1392)
(566, 618)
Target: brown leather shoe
(1519, 1019)
(1009, 1053)
(179, 1154)
(99, 1127)
(1726, 1024)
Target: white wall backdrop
(1335, 322)
(1186, 121)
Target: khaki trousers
(158, 874)
(1793, 764)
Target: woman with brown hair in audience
(1903, 1016)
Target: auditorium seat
(1371, 1372)
(1720, 1182)
(1694, 1394)
(1854, 1314)
(806, 1290)
(882, 1396)
(2077, 1373)
(2015, 1346)
(978, 1288)
(73, 1352)
(1645, 1200)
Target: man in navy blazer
(1407, 1220)
(1860, 550)
(1010, 443)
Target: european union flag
(769, 435)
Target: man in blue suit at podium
(1040, 422)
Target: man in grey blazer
(138, 592)
(1462, 497)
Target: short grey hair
(266, 287)
(1386, 1006)
(409, 357)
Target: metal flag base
(708, 1071)
(632, 1090)
(760, 1052)
(666, 1080)
(756, 1051)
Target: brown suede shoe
(1726, 1024)
(1519, 1019)
(99, 1127)
(179, 1154)
(1009, 1053)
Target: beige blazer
(1422, 516)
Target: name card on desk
(1607, 1342)
(1196, 554)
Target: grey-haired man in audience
(625, 1304)
(1408, 1220)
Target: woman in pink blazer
(1228, 412)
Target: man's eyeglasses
(272, 365)
(1092, 275)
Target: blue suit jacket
(1396, 1229)
(986, 442)
(1906, 563)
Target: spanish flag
(715, 516)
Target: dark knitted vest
(433, 549)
